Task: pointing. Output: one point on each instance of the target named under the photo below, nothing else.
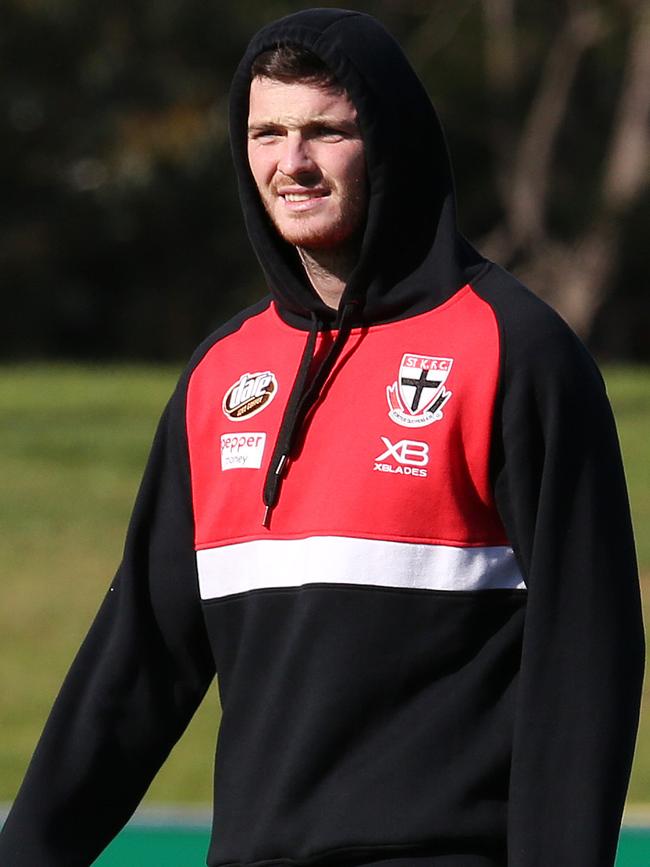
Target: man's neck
(329, 271)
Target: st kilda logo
(249, 395)
(417, 397)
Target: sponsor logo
(242, 451)
(417, 397)
(411, 457)
(249, 395)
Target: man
(386, 506)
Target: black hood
(412, 256)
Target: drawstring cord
(282, 444)
(303, 397)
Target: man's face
(306, 155)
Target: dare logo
(252, 393)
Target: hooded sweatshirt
(399, 534)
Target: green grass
(629, 391)
(73, 442)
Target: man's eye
(328, 134)
(266, 135)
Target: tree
(121, 233)
(575, 273)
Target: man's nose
(295, 158)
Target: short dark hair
(292, 63)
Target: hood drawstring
(304, 395)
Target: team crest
(249, 395)
(417, 397)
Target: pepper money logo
(417, 397)
(249, 395)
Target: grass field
(72, 446)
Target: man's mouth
(299, 197)
(302, 195)
(302, 201)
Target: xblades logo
(411, 457)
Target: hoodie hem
(347, 858)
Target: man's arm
(561, 491)
(133, 687)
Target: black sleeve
(561, 491)
(134, 685)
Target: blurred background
(121, 233)
(122, 245)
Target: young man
(386, 506)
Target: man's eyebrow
(299, 123)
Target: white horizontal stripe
(266, 563)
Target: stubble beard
(340, 232)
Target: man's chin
(312, 237)
(312, 240)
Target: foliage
(121, 231)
